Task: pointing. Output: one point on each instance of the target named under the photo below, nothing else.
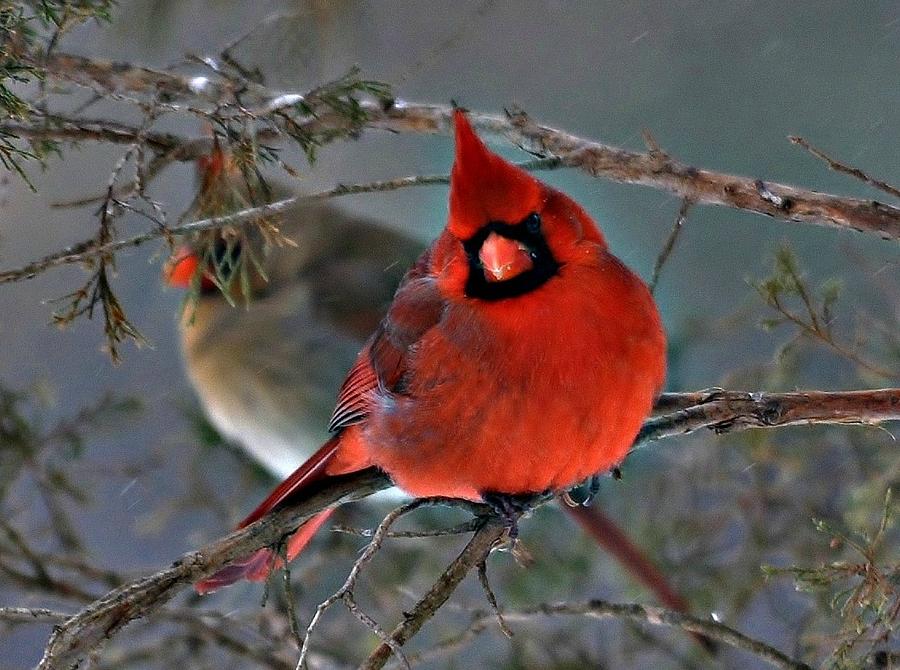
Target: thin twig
(89, 249)
(814, 330)
(492, 598)
(837, 166)
(345, 592)
(469, 526)
(669, 244)
(289, 595)
(475, 552)
(96, 130)
(31, 615)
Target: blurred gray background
(719, 84)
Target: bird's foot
(509, 508)
(584, 493)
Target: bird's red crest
(484, 187)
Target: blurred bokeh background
(720, 85)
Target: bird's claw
(567, 498)
(509, 508)
(591, 487)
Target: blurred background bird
(277, 311)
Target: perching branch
(474, 553)
(88, 630)
(720, 410)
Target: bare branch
(728, 411)
(345, 593)
(492, 598)
(87, 250)
(475, 552)
(469, 526)
(656, 616)
(654, 168)
(85, 632)
(669, 244)
(837, 166)
(96, 130)
(649, 169)
(31, 615)
(126, 78)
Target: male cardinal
(518, 356)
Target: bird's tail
(327, 461)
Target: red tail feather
(258, 565)
(314, 469)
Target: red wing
(382, 364)
(354, 401)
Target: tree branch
(656, 616)
(89, 249)
(90, 628)
(837, 166)
(474, 553)
(669, 244)
(653, 168)
(728, 411)
(659, 171)
(101, 130)
(31, 615)
(721, 410)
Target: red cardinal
(518, 356)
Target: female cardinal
(266, 373)
(518, 356)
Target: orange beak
(180, 268)
(503, 258)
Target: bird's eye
(533, 223)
